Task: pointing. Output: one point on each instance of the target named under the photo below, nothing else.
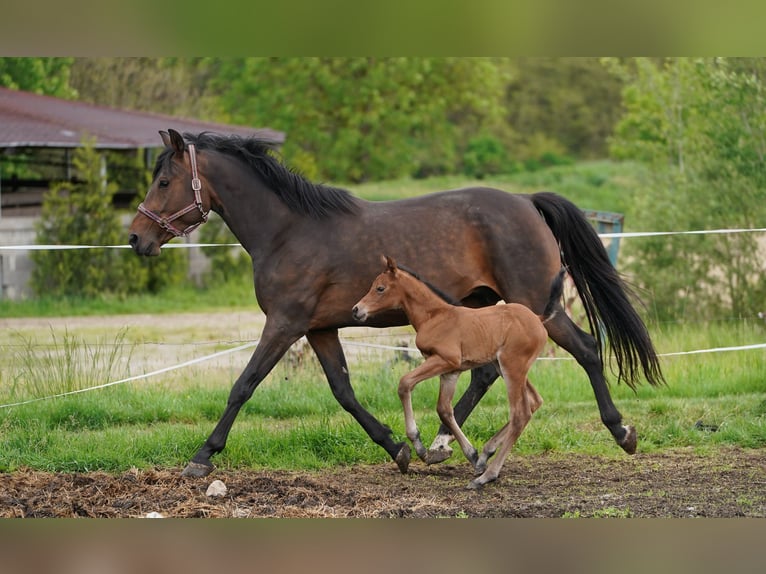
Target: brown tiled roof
(31, 120)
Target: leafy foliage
(48, 76)
(225, 264)
(700, 125)
(356, 119)
(561, 106)
(81, 213)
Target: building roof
(32, 120)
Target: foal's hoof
(435, 456)
(403, 458)
(628, 443)
(475, 485)
(197, 470)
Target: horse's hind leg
(534, 401)
(328, 349)
(447, 386)
(481, 380)
(583, 348)
(533, 397)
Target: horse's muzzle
(359, 314)
(149, 249)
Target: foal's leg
(516, 382)
(534, 401)
(481, 380)
(431, 367)
(447, 385)
(533, 397)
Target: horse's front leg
(328, 349)
(273, 344)
(481, 380)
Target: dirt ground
(730, 483)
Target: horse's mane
(294, 190)
(431, 286)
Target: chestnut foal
(454, 339)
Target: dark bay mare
(310, 245)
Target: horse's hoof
(441, 443)
(436, 456)
(630, 440)
(403, 458)
(197, 470)
(475, 485)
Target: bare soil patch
(728, 483)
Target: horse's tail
(557, 289)
(604, 294)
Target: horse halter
(165, 222)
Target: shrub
(81, 213)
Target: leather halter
(166, 222)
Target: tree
(82, 214)
(700, 125)
(46, 76)
(356, 119)
(562, 105)
(175, 86)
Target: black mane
(431, 286)
(294, 190)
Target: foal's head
(385, 293)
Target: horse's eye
(381, 288)
(164, 183)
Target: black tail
(605, 296)
(557, 289)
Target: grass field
(293, 422)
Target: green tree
(700, 125)
(563, 106)
(175, 86)
(82, 214)
(47, 76)
(356, 119)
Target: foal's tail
(605, 296)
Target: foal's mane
(294, 190)
(441, 294)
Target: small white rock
(216, 488)
(154, 515)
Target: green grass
(293, 422)
(600, 185)
(177, 299)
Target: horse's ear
(390, 264)
(177, 141)
(165, 138)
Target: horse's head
(177, 201)
(383, 295)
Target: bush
(81, 213)
(486, 155)
(226, 264)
